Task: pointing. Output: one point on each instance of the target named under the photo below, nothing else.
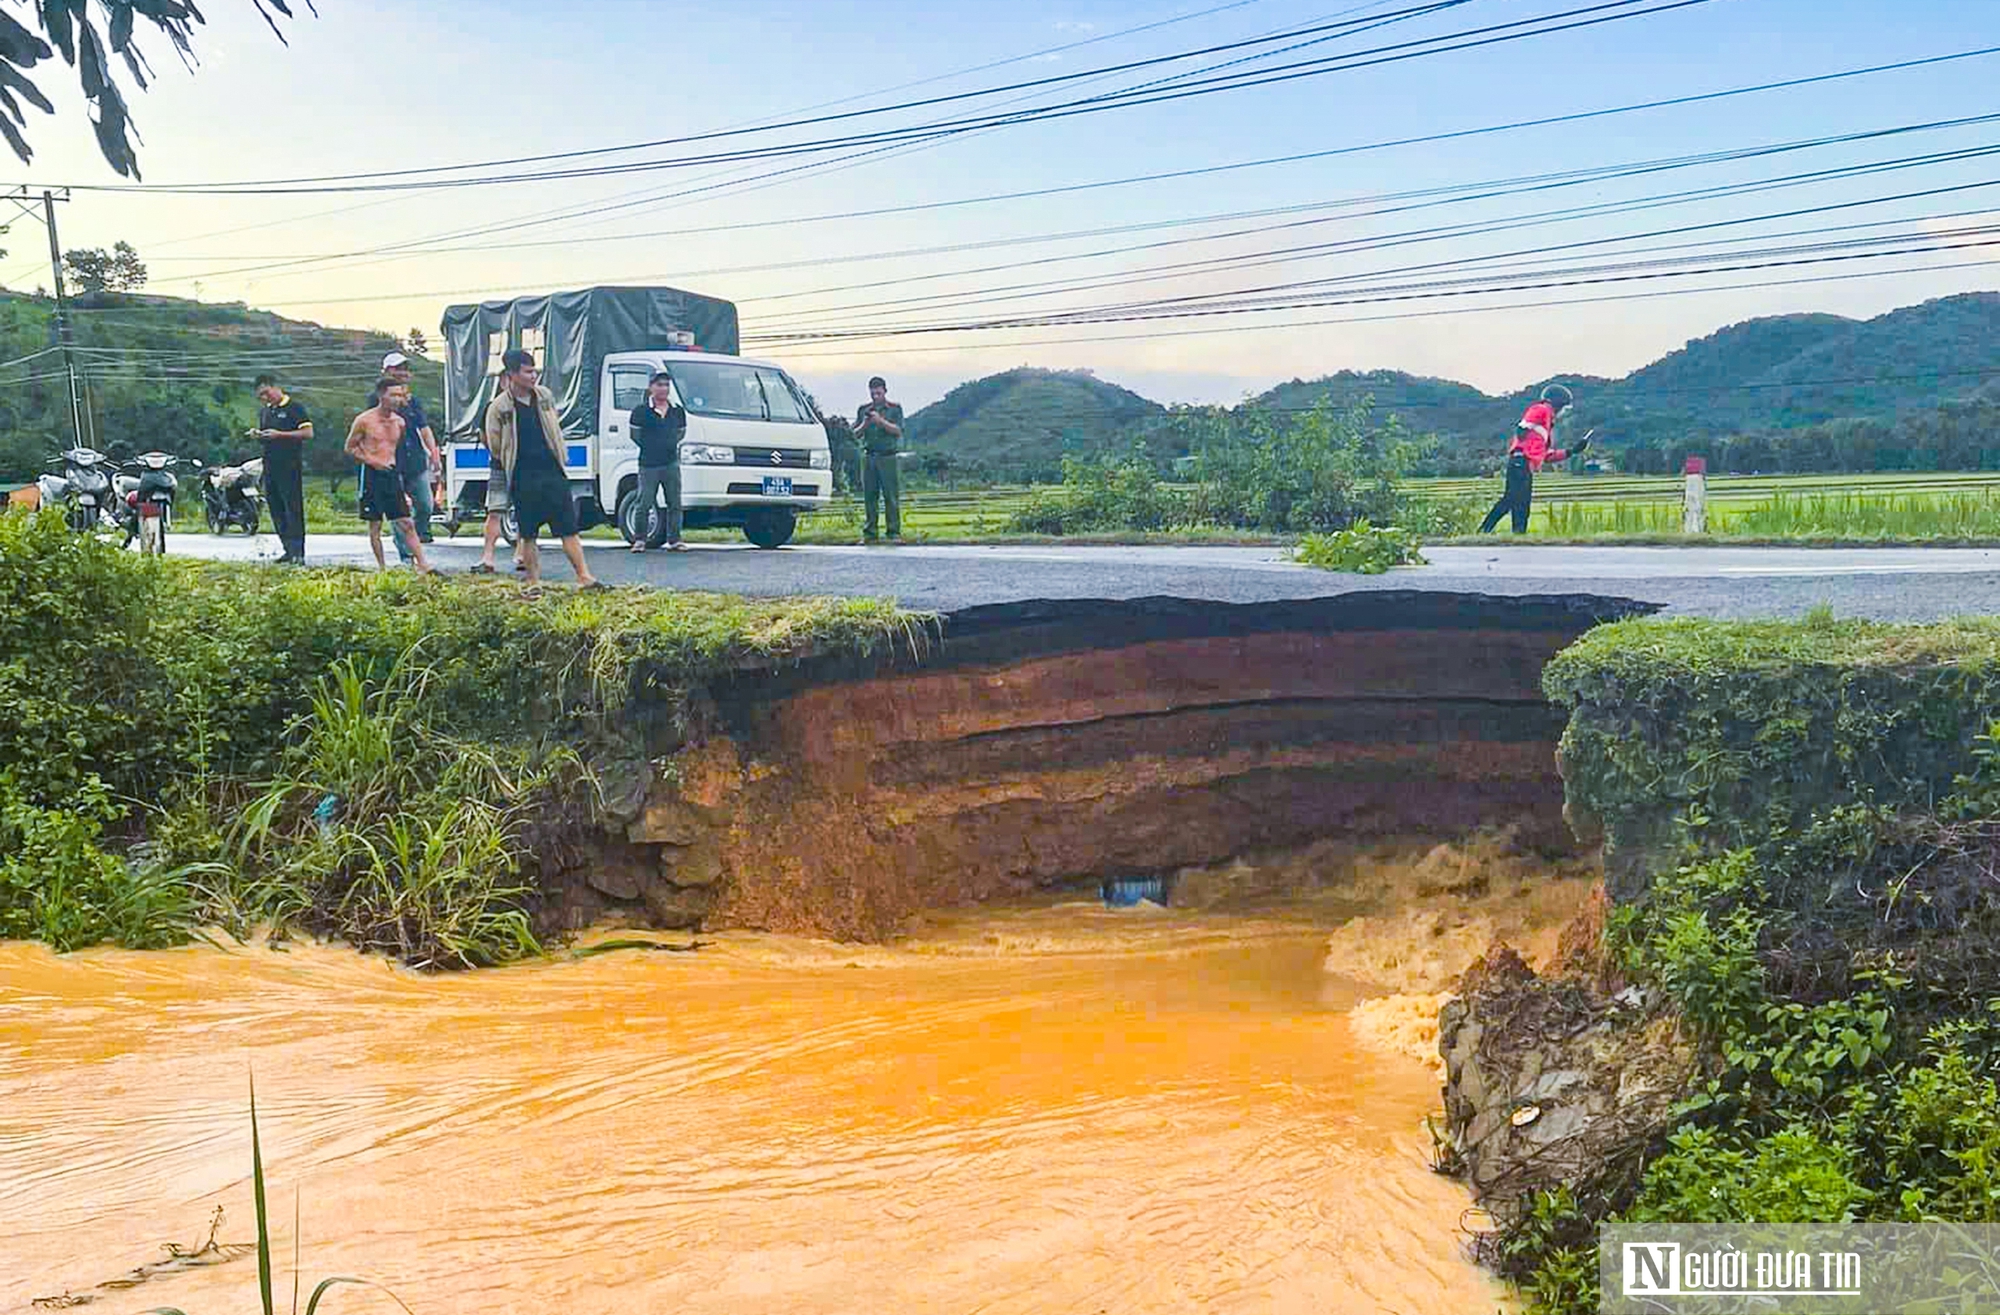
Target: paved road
(1886, 583)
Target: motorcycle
(84, 490)
(147, 494)
(233, 496)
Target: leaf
(93, 70)
(18, 45)
(10, 78)
(312, 1302)
(121, 27)
(263, 1215)
(57, 22)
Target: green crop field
(1914, 506)
(1929, 505)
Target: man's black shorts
(540, 502)
(383, 496)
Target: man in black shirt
(879, 427)
(283, 427)
(658, 426)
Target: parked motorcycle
(146, 492)
(233, 496)
(84, 489)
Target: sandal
(592, 586)
(482, 569)
(639, 546)
(531, 593)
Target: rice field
(1921, 505)
(1916, 506)
(1926, 505)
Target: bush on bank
(363, 755)
(1742, 727)
(1817, 910)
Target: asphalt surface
(1904, 584)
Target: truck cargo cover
(570, 333)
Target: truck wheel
(769, 527)
(634, 521)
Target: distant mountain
(1020, 423)
(1773, 374)
(1778, 393)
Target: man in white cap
(417, 459)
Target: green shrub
(1104, 495)
(150, 701)
(1319, 471)
(1761, 727)
(1360, 549)
(58, 885)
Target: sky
(367, 87)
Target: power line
(1411, 237)
(1143, 316)
(849, 352)
(718, 134)
(416, 247)
(1348, 246)
(1343, 63)
(1446, 195)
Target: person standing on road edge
(283, 427)
(524, 434)
(879, 426)
(417, 455)
(372, 440)
(658, 426)
(1530, 449)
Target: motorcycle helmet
(1558, 397)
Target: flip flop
(593, 586)
(482, 569)
(530, 593)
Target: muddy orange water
(1057, 1108)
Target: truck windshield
(737, 392)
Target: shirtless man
(372, 440)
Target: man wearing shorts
(524, 434)
(372, 440)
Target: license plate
(777, 486)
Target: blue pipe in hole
(1128, 892)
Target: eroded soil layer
(1053, 742)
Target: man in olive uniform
(879, 427)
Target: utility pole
(60, 330)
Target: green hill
(1021, 423)
(176, 375)
(1752, 380)
(1915, 388)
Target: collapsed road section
(1038, 744)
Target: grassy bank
(381, 758)
(1804, 819)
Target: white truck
(755, 456)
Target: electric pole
(59, 330)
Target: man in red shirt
(1533, 444)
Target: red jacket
(1533, 436)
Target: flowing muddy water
(1047, 1108)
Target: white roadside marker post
(1694, 502)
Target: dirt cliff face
(1048, 743)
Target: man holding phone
(283, 427)
(879, 427)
